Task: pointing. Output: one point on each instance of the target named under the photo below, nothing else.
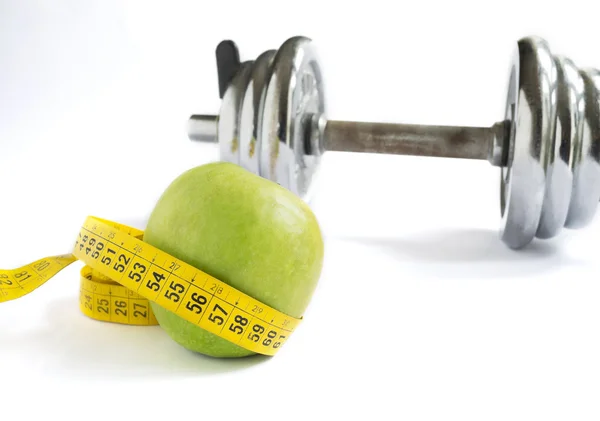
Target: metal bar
(202, 128)
(405, 139)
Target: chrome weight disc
(252, 112)
(552, 177)
(228, 128)
(294, 101)
(562, 147)
(586, 167)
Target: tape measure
(122, 274)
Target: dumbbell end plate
(293, 106)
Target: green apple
(245, 230)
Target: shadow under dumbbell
(468, 253)
(69, 343)
(459, 245)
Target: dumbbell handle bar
(399, 139)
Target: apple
(243, 229)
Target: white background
(92, 93)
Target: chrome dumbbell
(272, 122)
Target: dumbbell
(272, 122)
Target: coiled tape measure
(122, 274)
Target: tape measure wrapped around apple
(227, 265)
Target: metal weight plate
(562, 147)
(252, 112)
(229, 116)
(530, 109)
(294, 99)
(586, 163)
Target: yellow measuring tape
(123, 273)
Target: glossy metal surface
(294, 96)
(552, 177)
(524, 179)
(586, 168)
(252, 112)
(532, 148)
(272, 115)
(202, 128)
(562, 148)
(229, 116)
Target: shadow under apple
(69, 343)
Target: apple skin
(244, 230)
